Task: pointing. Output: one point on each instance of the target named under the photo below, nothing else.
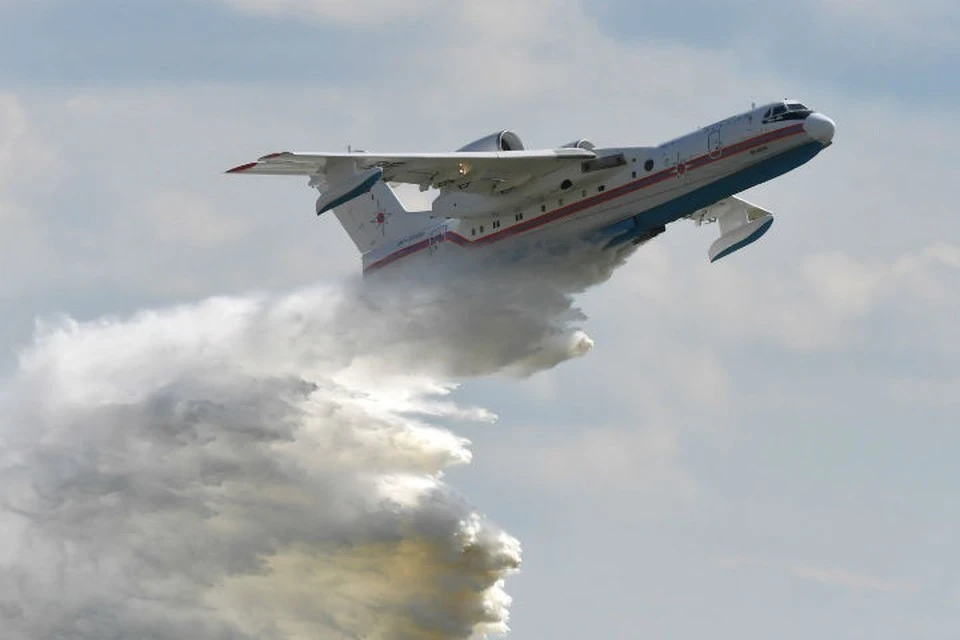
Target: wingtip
(241, 168)
(250, 165)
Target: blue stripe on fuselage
(707, 195)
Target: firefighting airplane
(496, 195)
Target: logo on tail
(381, 219)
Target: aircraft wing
(478, 172)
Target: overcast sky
(764, 447)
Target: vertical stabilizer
(378, 217)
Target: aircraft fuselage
(630, 194)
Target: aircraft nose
(819, 127)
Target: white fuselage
(633, 200)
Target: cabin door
(676, 160)
(681, 162)
(714, 146)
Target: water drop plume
(267, 466)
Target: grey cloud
(829, 577)
(378, 14)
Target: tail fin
(377, 218)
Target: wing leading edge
(470, 171)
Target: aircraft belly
(671, 204)
(731, 184)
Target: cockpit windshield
(787, 110)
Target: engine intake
(505, 140)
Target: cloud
(376, 14)
(12, 128)
(24, 157)
(830, 577)
(601, 468)
(26, 163)
(611, 462)
(820, 303)
(848, 579)
(923, 24)
(736, 561)
(926, 392)
(185, 220)
(126, 214)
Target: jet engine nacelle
(582, 143)
(505, 140)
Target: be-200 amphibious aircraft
(495, 195)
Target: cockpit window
(787, 111)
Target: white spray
(263, 467)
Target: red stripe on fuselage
(635, 185)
